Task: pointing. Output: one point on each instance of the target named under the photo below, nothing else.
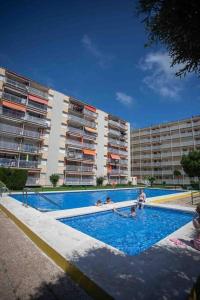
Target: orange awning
(89, 152)
(91, 108)
(114, 156)
(90, 129)
(14, 106)
(37, 99)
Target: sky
(94, 50)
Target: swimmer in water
(129, 215)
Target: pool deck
(165, 271)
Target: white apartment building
(47, 132)
(157, 150)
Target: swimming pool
(59, 201)
(130, 235)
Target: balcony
(12, 113)
(114, 132)
(117, 143)
(16, 84)
(32, 134)
(33, 119)
(7, 162)
(28, 164)
(36, 105)
(9, 145)
(10, 129)
(117, 124)
(13, 98)
(90, 113)
(81, 121)
(38, 93)
(19, 131)
(75, 168)
(115, 172)
(74, 143)
(78, 181)
(29, 148)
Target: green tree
(175, 24)
(100, 180)
(151, 179)
(54, 179)
(191, 164)
(177, 174)
(14, 179)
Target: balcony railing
(36, 105)
(16, 84)
(13, 98)
(28, 164)
(90, 113)
(9, 145)
(81, 132)
(7, 162)
(30, 133)
(38, 92)
(36, 120)
(117, 124)
(19, 131)
(114, 132)
(10, 129)
(79, 168)
(74, 143)
(77, 181)
(81, 121)
(117, 142)
(29, 148)
(12, 113)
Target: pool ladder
(25, 198)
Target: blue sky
(94, 50)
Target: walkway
(26, 273)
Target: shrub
(54, 179)
(14, 179)
(100, 180)
(164, 182)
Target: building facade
(157, 150)
(47, 132)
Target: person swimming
(99, 203)
(129, 215)
(108, 200)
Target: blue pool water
(82, 199)
(130, 235)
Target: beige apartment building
(157, 150)
(47, 132)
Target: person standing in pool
(141, 199)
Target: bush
(54, 179)
(194, 185)
(100, 181)
(14, 179)
(164, 182)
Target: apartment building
(157, 150)
(45, 132)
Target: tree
(191, 164)
(100, 180)
(151, 179)
(175, 24)
(54, 179)
(177, 174)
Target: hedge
(14, 179)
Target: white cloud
(102, 59)
(160, 76)
(124, 98)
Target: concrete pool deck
(164, 271)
